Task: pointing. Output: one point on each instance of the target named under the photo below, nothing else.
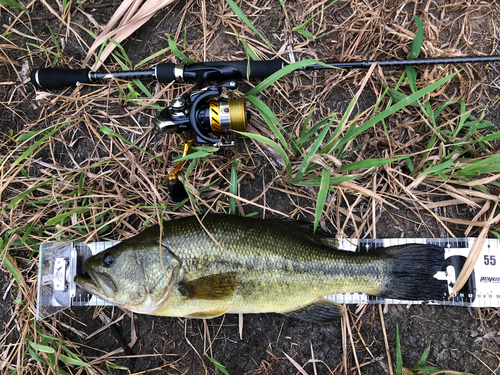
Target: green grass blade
(307, 34)
(153, 56)
(14, 201)
(13, 4)
(393, 109)
(312, 151)
(268, 117)
(306, 135)
(249, 52)
(29, 135)
(58, 218)
(237, 10)
(397, 96)
(399, 358)
(108, 131)
(12, 270)
(233, 189)
(330, 144)
(480, 166)
(42, 348)
(176, 52)
(491, 137)
(424, 356)
(282, 2)
(37, 357)
(145, 90)
(72, 361)
(58, 46)
(416, 45)
(370, 163)
(282, 72)
(124, 55)
(274, 145)
(115, 367)
(197, 154)
(219, 366)
(322, 195)
(81, 180)
(40, 142)
(438, 168)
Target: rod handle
(217, 70)
(53, 78)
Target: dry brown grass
(105, 189)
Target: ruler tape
(481, 290)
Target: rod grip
(263, 69)
(53, 78)
(165, 72)
(217, 70)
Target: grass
(84, 164)
(420, 367)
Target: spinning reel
(202, 119)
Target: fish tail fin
(411, 270)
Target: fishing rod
(197, 115)
(52, 78)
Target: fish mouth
(97, 283)
(87, 283)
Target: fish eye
(108, 260)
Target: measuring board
(61, 262)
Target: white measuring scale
(61, 262)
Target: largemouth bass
(244, 265)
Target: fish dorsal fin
(307, 229)
(213, 287)
(321, 311)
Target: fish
(203, 267)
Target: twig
(386, 342)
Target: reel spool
(203, 116)
(225, 116)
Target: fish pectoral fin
(214, 287)
(321, 311)
(206, 314)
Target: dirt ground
(460, 339)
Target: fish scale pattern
(278, 268)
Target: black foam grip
(165, 72)
(263, 69)
(238, 69)
(220, 70)
(53, 78)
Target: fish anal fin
(320, 311)
(206, 314)
(213, 287)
